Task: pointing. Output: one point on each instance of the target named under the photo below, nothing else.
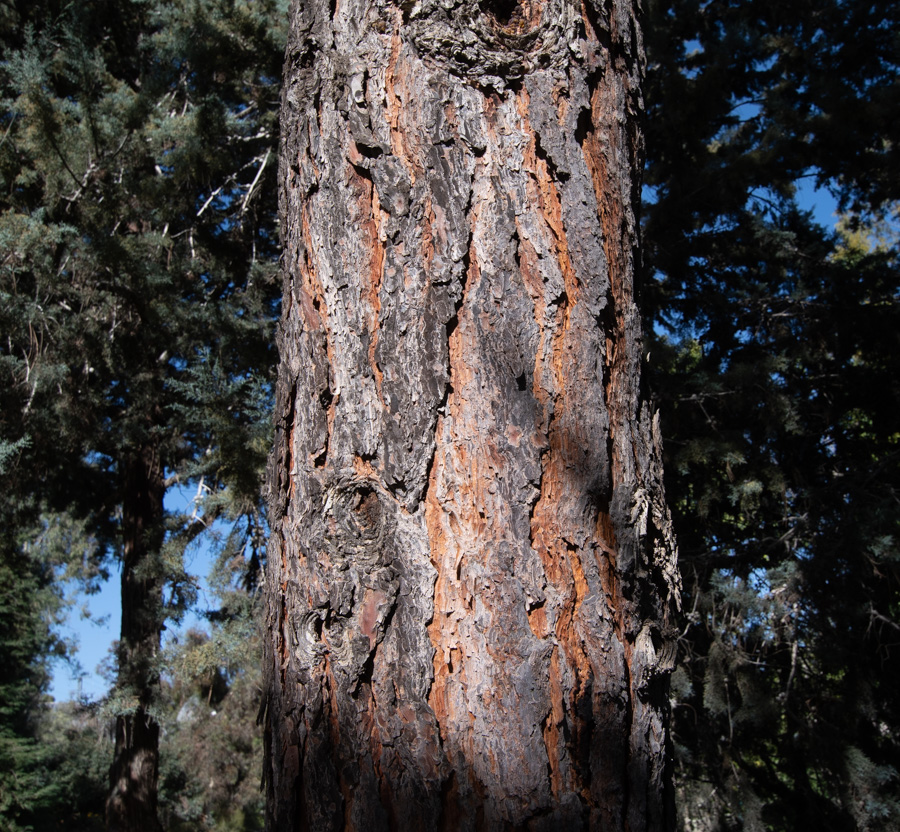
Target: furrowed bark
(471, 574)
(132, 802)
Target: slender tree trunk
(131, 805)
(471, 572)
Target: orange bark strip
(399, 85)
(546, 196)
(369, 218)
(537, 620)
(437, 629)
(603, 147)
(551, 732)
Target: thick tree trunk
(471, 571)
(131, 805)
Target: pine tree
(775, 363)
(132, 136)
(137, 179)
(26, 644)
(471, 581)
(212, 752)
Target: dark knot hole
(503, 11)
(367, 509)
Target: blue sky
(96, 632)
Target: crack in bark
(469, 266)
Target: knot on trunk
(654, 657)
(358, 526)
(492, 42)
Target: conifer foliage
(776, 365)
(137, 172)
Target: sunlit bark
(471, 572)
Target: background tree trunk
(132, 802)
(471, 572)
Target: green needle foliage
(26, 645)
(137, 178)
(775, 355)
(137, 298)
(212, 761)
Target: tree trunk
(131, 805)
(471, 573)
